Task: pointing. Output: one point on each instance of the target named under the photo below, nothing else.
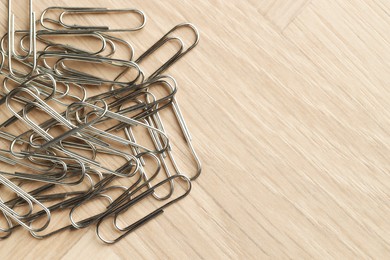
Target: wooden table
(288, 104)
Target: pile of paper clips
(76, 139)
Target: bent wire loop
(130, 228)
(11, 41)
(68, 11)
(30, 200)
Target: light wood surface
(288, 104)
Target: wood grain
(281, 12)
(291, 122)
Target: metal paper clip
(64, 11)
(11, 40)
(130, 228)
